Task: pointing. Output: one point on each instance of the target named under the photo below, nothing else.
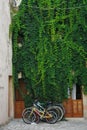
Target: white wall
(85, 106)
(5, 58)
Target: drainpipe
(15, 3)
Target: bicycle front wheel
(30, 117)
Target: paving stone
(62, 125)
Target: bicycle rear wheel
(58, 110)
(54, 117)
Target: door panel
(19, 102)
(73, 108)
(19, 107)
(77, 108)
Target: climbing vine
(53, 52)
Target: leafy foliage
(53, 55)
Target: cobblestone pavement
(62, 125)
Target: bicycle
(37, 112)
(59, 107)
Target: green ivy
(53, 55)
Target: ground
(74, 124)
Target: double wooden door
(73, 108)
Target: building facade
(6, 84)
(6, 87)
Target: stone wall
(85, 106)
(5, 59)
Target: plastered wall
(5, 59)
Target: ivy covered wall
(50, 47)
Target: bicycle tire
(59, 110)
(29, 118)
(60, 113)
(25, 110)
(54, 117)
(61, 106)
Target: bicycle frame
(40, 113)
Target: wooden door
(77, 108)
(19, 107)
(73, 108)
(19, 103)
